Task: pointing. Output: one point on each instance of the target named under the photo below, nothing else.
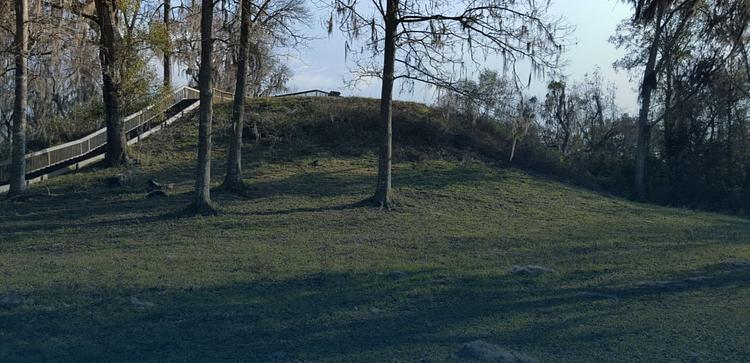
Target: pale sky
(322, 64)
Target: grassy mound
(350, 126)
(298, 273)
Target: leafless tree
(561, 111)
(653, 13)
(521, 123)
(233, 178)
(202, 198)
(273, 22)
(574, 115)
(430, 41)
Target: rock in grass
(122, 179)
(481, 350)
(598, 295)
(140, 303)
(529, 270)
(152, 185)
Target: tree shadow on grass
(339, 207)
(726, 274)
(98, 205)
(92, 208)
(346, 183)
(324, 317)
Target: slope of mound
(298, 273)
(350, 126)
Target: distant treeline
(699, 151)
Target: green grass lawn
(297, 272)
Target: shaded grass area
(298, 272)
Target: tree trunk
(233, 179)
(167, 52)
(383, 193)
(644, 129)
(256, 131)
(562, 119)
(729, 167)
(18, 157)
(673, 142)
(116, 149)
(202, 198)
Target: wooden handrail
(57, 154)
(53, 155)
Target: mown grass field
(298, 272)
